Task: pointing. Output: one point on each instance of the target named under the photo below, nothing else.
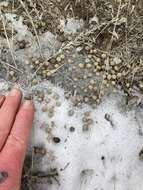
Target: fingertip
(28, 104)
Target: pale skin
(16, 118)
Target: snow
(79, 153)
(82, 151)
(71, 25)
(17, 24)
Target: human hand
(15, 125)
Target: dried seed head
(44, 109)
(90, 121)
(87, 60)
(31, 66)
(117, 60)
(88, 65)
(62, 56)
(48, 74)
(70, 69)
(89, 75)
(109, 77)
(98, 67)
(92, 81)
(114, 76)
(112, 63)
(75, 79)
(86, 99)
(91, 51)
(96, 63)
(90, 87)
(119, 75)
(70, 113)
(47, 63)
(98, 101)
(81, 65)
(141, 84)
(102, 92)
(104, 82)
(84, 119)
(37, 62)
(87, 113)
(103, 67)
(11, 73)
(94, 51)
(85, 90)
(85, 77)
(69, 61)
(56, 96)
(44, 72)
(127, 85)
(98, 59)
(50, 112)
(58, 104)
(85, 127)
(94, 97)
(58, 59)
(34, 82)
(87, 48)
(94, 70)
(107, 85)
(116, 68)
(56, 65)
(113, 83)
(89, 56)
(103, 55)
(128, 66)
(43, 24)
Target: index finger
(17, 142)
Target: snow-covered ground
(106, 156)
(100, 155)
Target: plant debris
(89, 48)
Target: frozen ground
(105, 155)
(86, 80)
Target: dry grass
(118, 33)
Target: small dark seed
(72, 129)
(56, 139)
(141, 154)
(102, 158)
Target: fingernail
(14, 92)
(27, 103)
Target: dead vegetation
(109, 47)
(32, 176)
(113, 28)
